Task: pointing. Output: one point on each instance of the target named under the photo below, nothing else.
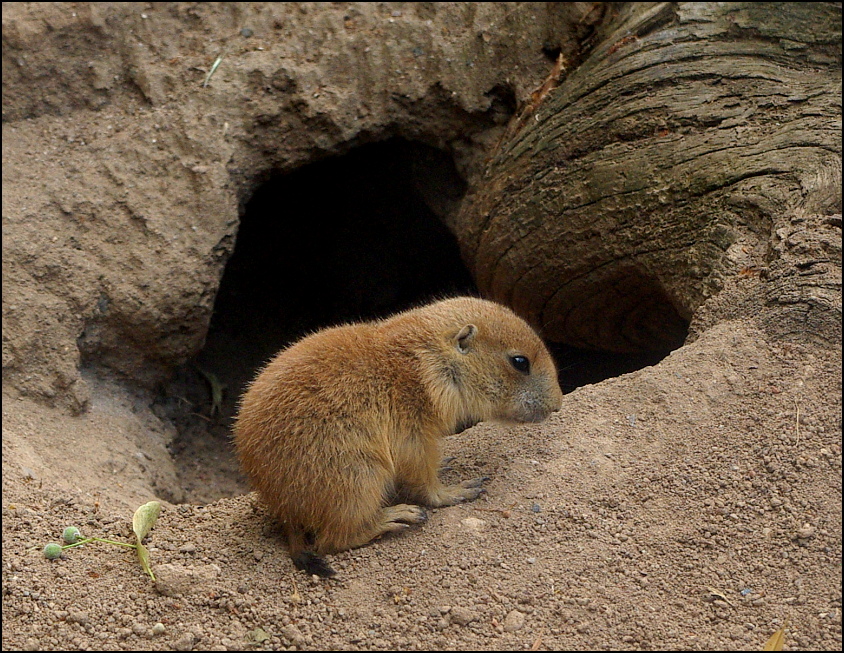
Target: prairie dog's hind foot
(394, 519)
(406, 514)
(449, 495)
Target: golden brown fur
(337, 422)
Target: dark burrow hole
(578, 367)
(551, 52)
(350, 238)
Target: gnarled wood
(662, 167)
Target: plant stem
(97, 539)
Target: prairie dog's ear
(465, 337)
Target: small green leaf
(217, 388)
(213, 70)
(144, 519)
(142, 523)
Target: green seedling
(74, 538)
(217, 389)
(142, 522)
(216, 63)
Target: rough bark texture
(699, 142)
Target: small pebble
(474, 524)
(462, 616)
(184, 643)
(514, 621)
(78, 617)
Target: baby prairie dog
(339, 422)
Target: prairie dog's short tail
(307, 561)
(311, 563)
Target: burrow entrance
(356, 237)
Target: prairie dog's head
(497, 366)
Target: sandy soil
(683, 506)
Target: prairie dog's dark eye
(521, 363)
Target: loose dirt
(690, 505)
